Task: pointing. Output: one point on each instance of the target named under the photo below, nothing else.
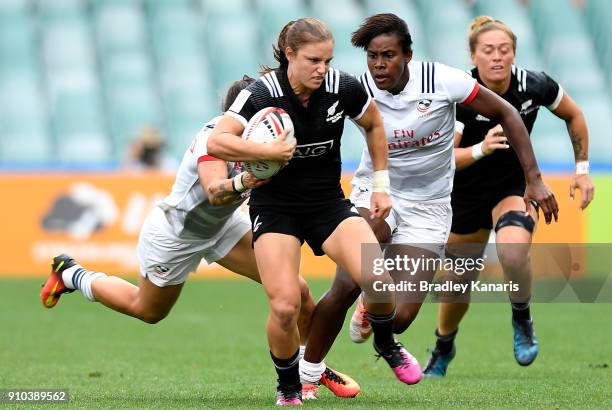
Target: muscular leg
(513, 245)
(330, 311)
(513, 249)
(146, 301)
(241, 260)
(450, 314)
(278, 260)
(408, 306)
(329, 315)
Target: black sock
(382, 326)
(444, 344)
(520, 311)
(288, 370)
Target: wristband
(477, 151)
(237, 183)
(582, 168)
(380, 182)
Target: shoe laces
(290, 392)
(333, 376)
(395, 356)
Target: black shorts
(314, 227)
(471, 213)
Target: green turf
(211, 352)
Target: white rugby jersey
(419, 124)
(187, 207)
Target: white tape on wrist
(237, 183)
(477, 151)
(381, 182)
(582, 168)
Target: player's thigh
(345, 246)
(470, 244)
(155, 301)
(278, 262)
(165, 259)
(241, 258)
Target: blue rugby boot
(525, 341)
(438, 362)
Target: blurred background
(93, 90)
(80, 79)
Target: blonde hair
(482, 24)
(295, 34)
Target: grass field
(211, 352)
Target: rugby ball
(264, 127)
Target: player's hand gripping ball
(264, 127)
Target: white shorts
(422, 223)
(167, 259)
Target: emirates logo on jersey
(423, 105)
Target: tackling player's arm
(569, 111)
(492, 106)
(225, 143)
(220, 189)
(374, 128)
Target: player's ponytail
(279, 49)
(296, 34)
(481, 24)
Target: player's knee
(285, 312)
(153, 317)
(513, 258)
(343, 293)
(516, 218)
(404, 316)
(305, 295)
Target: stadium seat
(14, 8)
(446, 31)
(79, 127)
(186, 87)
(273, 15)
(24, 134)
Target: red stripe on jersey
(208, 158)
(472, 95)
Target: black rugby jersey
(500, 171)
(312, 177)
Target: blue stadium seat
(343, 18)
(446, 31)
(14, 8)
(577, 70)
(24, 136)
(186, 88)
(273, 15)
(79, 127)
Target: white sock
(311, 372)
(302, 351)
(77, 277)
